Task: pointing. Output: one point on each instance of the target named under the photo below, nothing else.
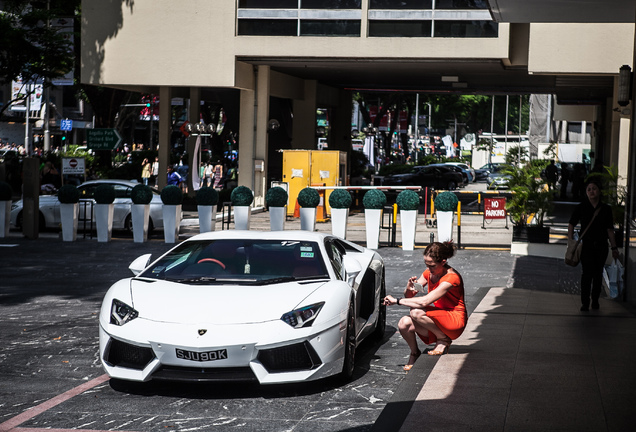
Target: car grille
(123, 354)
(190, 374)
(301, 356)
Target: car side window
(335, 257)
(87, 192)
(122, 191)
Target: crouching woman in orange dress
(439, 316)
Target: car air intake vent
(190, 374)
(290, 358)
(127, 355)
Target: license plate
(201, 356)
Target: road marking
(11, 424)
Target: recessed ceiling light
(450, 78)
(460, 85)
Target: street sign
(66, 125)
(75, 165)
(102, 139)
(494, 208)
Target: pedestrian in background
(155, 171)
(598, 216)
(440, 315)
(173, 177)
(218, 175)
(146, 169)
(565, 179)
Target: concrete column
(165, 131)
(304, 131)
(340, 134)
(194, 116)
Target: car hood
(217, 304)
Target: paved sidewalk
(528, 361)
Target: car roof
(106, 181)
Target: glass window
(267, 27)
(87, 191)
(461, 4)
(401, 4)
(400, 28)
(329, 28)
(467, 29)
(268, 4)
(335, 257)
(122, 191)
(331, 4)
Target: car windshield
(240, 261)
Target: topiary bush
(141, 194)
(104, 194)
(242, 196)
(171, 195)
(308, 197)
(446, 201)
(68, 194)
(374, 199)
(408, 200)
(276, 197)
(340, 199)
(207, 196)
(6, 193)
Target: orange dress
(449, 311)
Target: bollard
(432, 238)
(459, 224)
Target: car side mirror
(139, 264)
(352, 268)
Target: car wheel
(451, 185)
(380, 324)
(128, 224)
(350, 345)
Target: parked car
(471, 172)
(482, 173)
(460, 170)
(50, 206)
(268, 307)
(432, 176)
(497, 179)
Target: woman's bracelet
(398, 301)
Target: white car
(268, 307)
(50, 206)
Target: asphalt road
(51, 377)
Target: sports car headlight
(121, 313)
(304, 316)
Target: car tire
(350, 346)
(380, 324)
(129, 227)
(451, 185)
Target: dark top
(597, 233)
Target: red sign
(494, 208)
(183, 128)
(73, 163)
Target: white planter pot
(104, 220)
(339, 218)
(207, 218)
(5, 218)
(277, 217)
(140, 218)
(372, 218)
(308, 218)
(408, 223)
(445, 225)
(68, 217)
(171, 222)
(242, 216)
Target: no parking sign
(495, 208)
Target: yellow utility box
(302, 168)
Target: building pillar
(304, 130)
(340, 122)
(165, 132)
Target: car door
(87, 201)
(427, 177)
(123, 204)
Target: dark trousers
(593, 258)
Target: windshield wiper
(293, 278)
(199, 279)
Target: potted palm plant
(242, 198)
(207, 199)
(445, 206)
(141, 196)
(339, 201)
(104, 211)
(69, 196)
(276, 199)
(408, 202)
(308, 200)
(6, 193)
(171, 197)
(530, 202)
(373, 202)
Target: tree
(30, 48)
